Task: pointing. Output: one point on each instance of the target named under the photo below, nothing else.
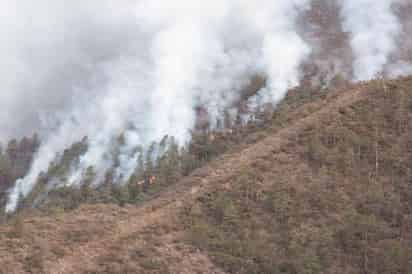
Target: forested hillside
(322, 187)
(219, 136)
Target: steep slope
(326, 191)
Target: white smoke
(400, 68)
(134, 67)
(374, 28)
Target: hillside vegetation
(322, 185)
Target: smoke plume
(374, 28)
(135, 68)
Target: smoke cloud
(134, 67)
(374, 28)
